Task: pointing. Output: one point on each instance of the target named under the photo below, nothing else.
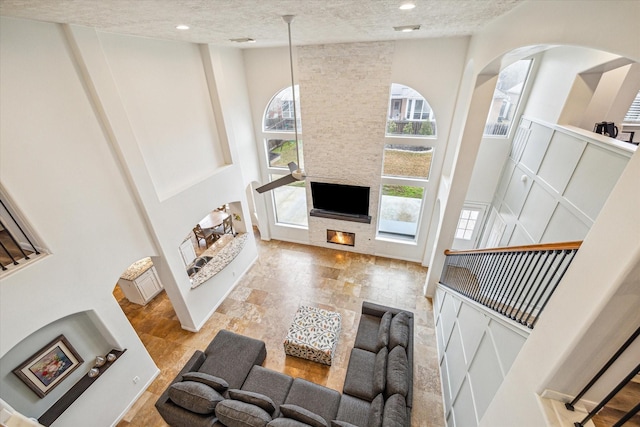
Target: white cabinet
(188, 252)
(142, 288)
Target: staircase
(12, 248)
(16, 247)
(617, 407)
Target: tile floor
(263, 304)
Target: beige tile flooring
(263, 304)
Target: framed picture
(43, 371)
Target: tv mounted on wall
(337, 201)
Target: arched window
(289, 201)
(506, 97)
(408, 154)
(409, 113)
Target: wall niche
(84, 331)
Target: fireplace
(341, 237)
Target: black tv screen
(344, 199)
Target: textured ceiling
(217, 21)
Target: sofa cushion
(359, 379)
(380, 371)
(399, 330)
(383, 330)
(253, 398)
(398, 372)
(367, 335)
(218, 384)
(316, 398)
(353, 410)
(231, 356)
(337, 423)
(376, 411)
(235, 413)
(298, 413)
(195, 397)
(286, 422)
(395, 412)
(270, 383)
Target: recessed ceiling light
(182, 27)
(243, 40)
(407, 28)
(407, 6)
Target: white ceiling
(217, 21)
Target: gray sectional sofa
(226, 385)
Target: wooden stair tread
(609, 416)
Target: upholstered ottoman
(313, 334)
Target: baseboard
(565, 398)
(556, 415)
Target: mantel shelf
(74, 393)
(365, 219)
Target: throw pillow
(218, 384)
(257, 399)
(235, 413)
(376, 411)
(195, 397)
(395, 412)
(399, 330)
(298, 413)
(380, 371)
(383, 330)
(336, 423)
(398, 372)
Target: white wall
(553, 98)
(164, 81)
(54, 162)
(417, 63)
(112, 150)
(570, 314)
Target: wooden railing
(514, 281)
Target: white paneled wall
(555, 182)
(476, 350)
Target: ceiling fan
(296, 173)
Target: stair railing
(626, 417)
(13, 244)
(516, 281)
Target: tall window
(289, 201)
(406, 164)
(506, 97)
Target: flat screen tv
(340, 199)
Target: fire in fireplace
(341, 237)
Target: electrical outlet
(136, 379)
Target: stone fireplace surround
(343, 144)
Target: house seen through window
(506, 97)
